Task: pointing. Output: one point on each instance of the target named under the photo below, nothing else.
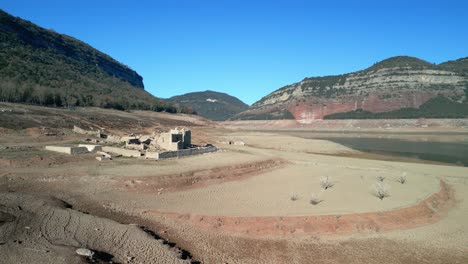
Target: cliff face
(42, 67)
(392, 84)
(23, 32)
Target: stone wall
(170, 141)
(122, 151)
(68, 149)
(113, 139)
(152, 155)
(186, 136)
(91, 148)
(186, 152)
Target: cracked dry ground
(36, 229)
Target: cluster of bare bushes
(380, 189)
(325, 182)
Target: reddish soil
(200, 178)
(428, 211)
(359, 125)
(317, 108)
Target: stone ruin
(176, 142)
(175, 139)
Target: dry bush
(380, 178)
(402, 178)
(325, 182)
(315, 199)
(381, 190)
(294, 197)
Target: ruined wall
(113, 139)
(122, 151)
(187, 138)
(152, 155)
(79, 130)
(187, 152)
(165, 141)
(68, 149)
(91, 148)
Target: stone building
(175, 139)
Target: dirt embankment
(39, 229)
(199, 178)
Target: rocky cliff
(42, 67)
(392, 84)
(22, 31)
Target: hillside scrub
(42, 67)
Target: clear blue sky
(251, 48)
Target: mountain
(460, 65)
(40, 66)
(211, 105)
(396, 83)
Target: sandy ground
(289, 143)
(269, 194)
(52, 204)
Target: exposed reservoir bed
(437, 147)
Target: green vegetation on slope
(439, 107)
(400, 61)
(460, 65)
(211, 105)
(42, 67)
(272, 115)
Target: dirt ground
(232, 206)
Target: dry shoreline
(241, 192)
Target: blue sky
(251, 48)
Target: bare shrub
(380, 178)
(315, 199)
(294, 197)
(402, 178)
(381, 190)
(325, 182)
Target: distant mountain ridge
(392, 84)
(210, 104)
(40, 66)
